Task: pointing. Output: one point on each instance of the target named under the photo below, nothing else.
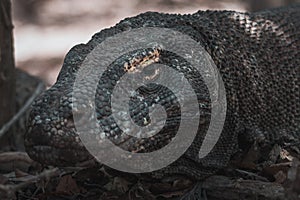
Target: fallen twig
(8, 191)
(16, 117)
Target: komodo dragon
(257, 55)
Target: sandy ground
(46, 30)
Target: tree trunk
(7, 65)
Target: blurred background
(45, 30)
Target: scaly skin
(257, 55)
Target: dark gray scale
(144, 98)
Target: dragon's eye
(149, 71)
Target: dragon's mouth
(50, 155)
(55, 146)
